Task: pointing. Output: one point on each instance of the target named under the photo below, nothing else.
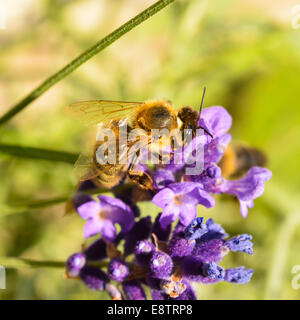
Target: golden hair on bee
(155, 115)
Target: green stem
(38, 153)
(19, 263)
(85, 56)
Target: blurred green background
(246, 52)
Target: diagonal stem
(85, 56)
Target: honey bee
(238, 159)
(137, 115)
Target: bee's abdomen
(109, 176)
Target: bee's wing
(83, 168)
(94, 112)
(135, 149)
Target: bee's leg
(133, 162)
(142, 179)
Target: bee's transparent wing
(94, 112)
(135, 149)
(83, 168)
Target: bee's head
(189, 118)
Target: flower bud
(117, 270)
(93, 277)
(161, 265)
(239, 275)
(143, 252)
(74, 264)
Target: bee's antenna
(202, 101)
(201, 107)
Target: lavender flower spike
(153, 251)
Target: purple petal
(217, 119)
(106, 200)
(184, 187)
(163, 197)
(89, 209)
(92, 227)
(116, 211)
(163, 178)
(248, 188)
(251, 186)
(188, 212)
(214, 151)
(125, 218)
(169, 215)
(244, 205)
(204, 198)
(108, 230)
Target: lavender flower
(180, 200)
(248, 188)
(101, 217)
(166, 258)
